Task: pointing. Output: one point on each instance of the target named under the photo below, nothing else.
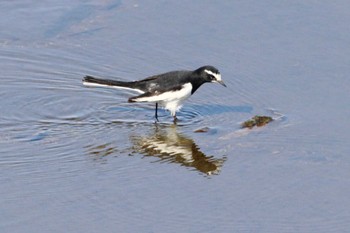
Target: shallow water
(80, 159)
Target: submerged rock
(202, 130)
(257, 121)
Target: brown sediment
(257, 121)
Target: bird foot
(156, 121)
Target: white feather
(89, 84)
(171, 100)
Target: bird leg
(175, 119)
(156, 115)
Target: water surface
(80, 159)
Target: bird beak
(221, 82)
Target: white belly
(172, 100)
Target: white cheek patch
(217, 76)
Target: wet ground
(78, 159)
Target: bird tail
(92, 81)
(97, 82)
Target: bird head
(210, 74)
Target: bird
(168, 90)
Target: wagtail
(169, 90)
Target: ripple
(52, 92)
(144, 113)
(189, 116)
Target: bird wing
(156, 95)
(162, 82)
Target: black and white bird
(169, 90)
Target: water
(80, 159)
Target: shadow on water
(166, 144)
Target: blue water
(78, 159)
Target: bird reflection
(170, 146)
